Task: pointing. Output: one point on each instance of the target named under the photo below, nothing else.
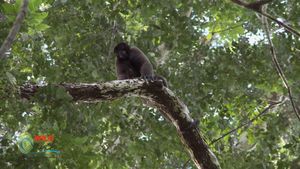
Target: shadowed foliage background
(213, 53)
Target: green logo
(25, 143)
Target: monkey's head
(122, 51)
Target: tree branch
(256, 6)
(2, 17)
(278, 67)
(160, 97)
(14, 30)
(229, 28)
(248, 122)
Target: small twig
(2, 17)
(229, 28)
(248, 122)
(278, 68)
(290, 29)
(186, 163)
(256, 6)
(14, 30)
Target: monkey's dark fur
(132, 63)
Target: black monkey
(132, 63)
(257, 6)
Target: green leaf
(42, 27)
(37, 18)
(34, 4)
(11, 78)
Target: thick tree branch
(158, 96)
(14, 30)
(256, 6)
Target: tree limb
(270, 106)
(256, 6)
(160, 97)
(278, 67)
(14, 30)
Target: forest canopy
(235, 65)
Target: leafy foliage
(213, 53)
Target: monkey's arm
(147, 70)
